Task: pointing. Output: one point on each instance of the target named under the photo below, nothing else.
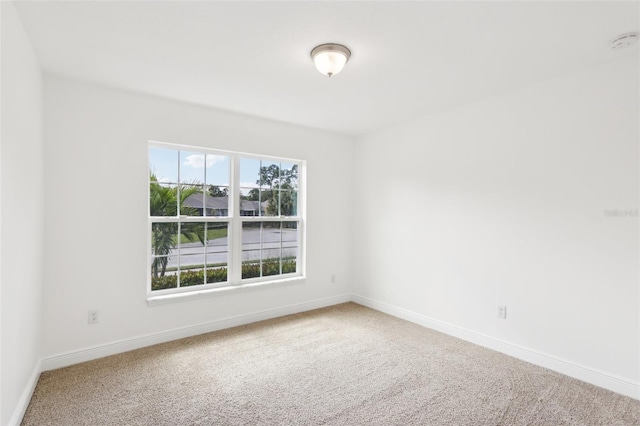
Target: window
(221, 219)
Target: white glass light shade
(330, 58)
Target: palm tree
(163, 201)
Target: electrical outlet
(502, 311)
(93, 316)
(333, 278)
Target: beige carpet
(343, 365)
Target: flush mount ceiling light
(624, 40)
(330, 58)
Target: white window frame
(234, 235)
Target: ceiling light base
(330, 58)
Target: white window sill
(221, 291)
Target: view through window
(221, 218)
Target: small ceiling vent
(624, 40)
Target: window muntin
(238, 218)
(269, 248)
(268, 188)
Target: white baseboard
(571, 369)
(99, 351)
(25, 397)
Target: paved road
(216, 250)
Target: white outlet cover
(502, 312)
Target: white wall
(21, 216)
(502, 202)
(96, 211)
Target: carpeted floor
(342, 365)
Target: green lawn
(212, 234)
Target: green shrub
(160, 283)
(217, 275)
(189, 278)
(250, 270)
(270, 267)
(288, 266)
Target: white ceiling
(408, 58)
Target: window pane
(217, 267)
(217, 201)
(217, 234)
(249, 204)
(161, 277)
(249, 172)
(163, 199)
(251, 249)
(163, 165)
(192, 238)
(191, 270)
(288, 203)
(269, 175)
(289, 189)
(271, 248)
(192, 257)
(193, 199)
(217, 275)
(269, 184)
(217, 170)
(249, 184)
(289, 247)
(164, 247)
(269, 202)
(164, 238)
(192, 167)
(289, 176)
(271, 235)
(217, 252)
(271, 265)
